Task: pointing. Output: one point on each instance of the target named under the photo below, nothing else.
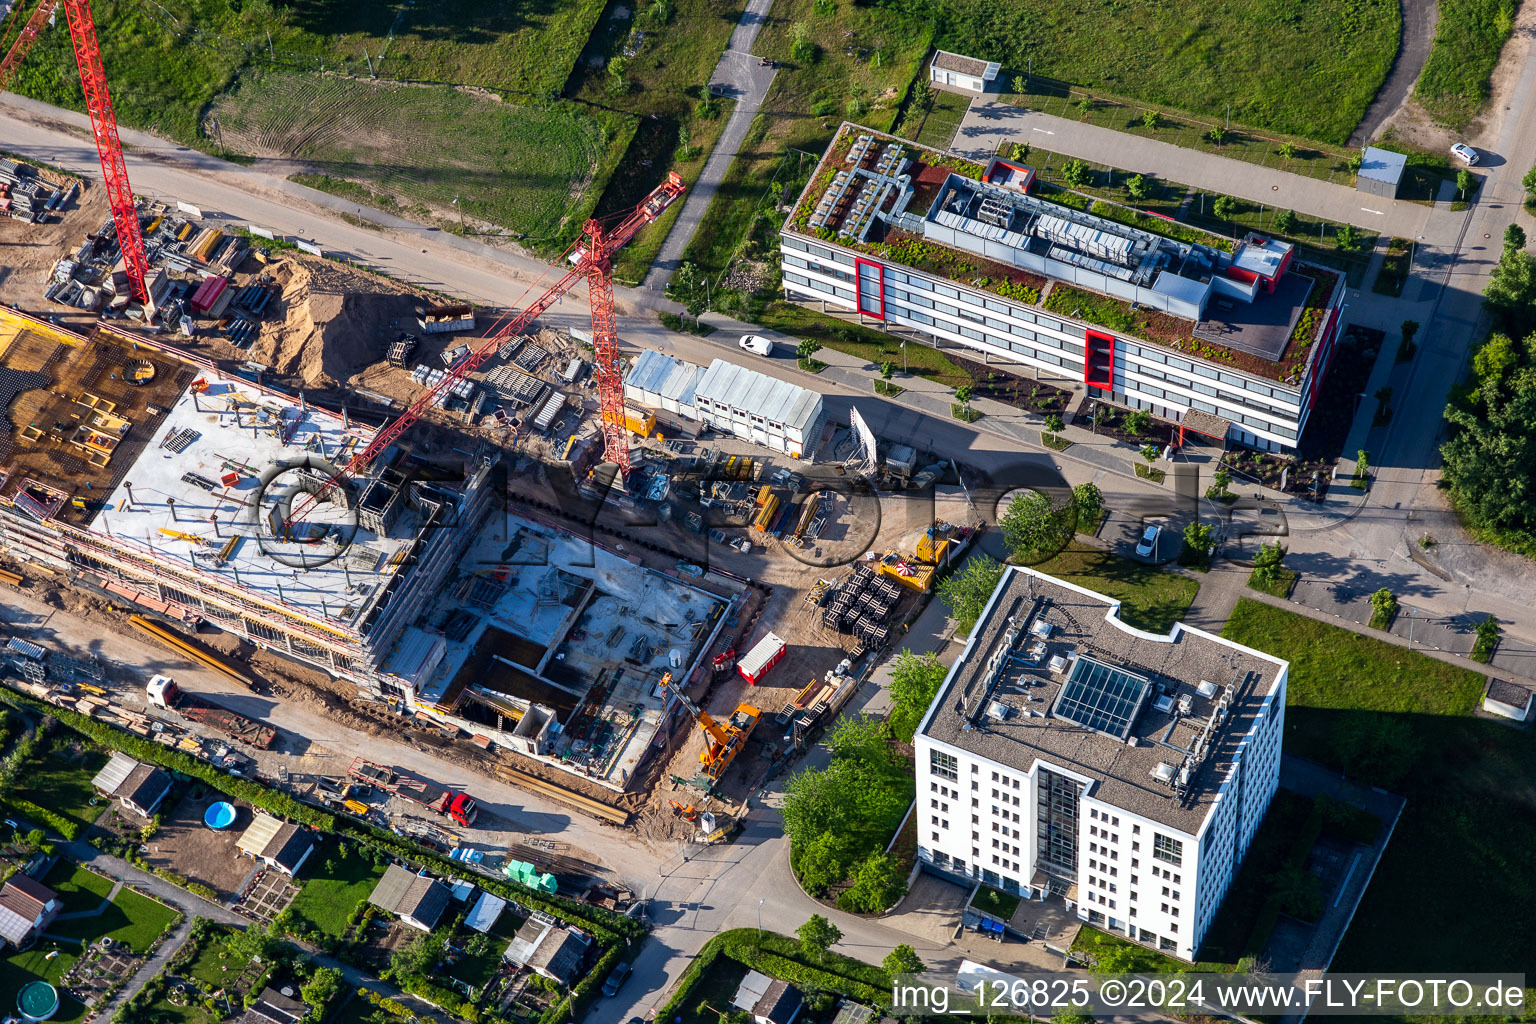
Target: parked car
(1148, 540)
(616, 979)
(757, 344)
(1465, 153)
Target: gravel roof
(1085, 624)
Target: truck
(163, 692)
(459, 807)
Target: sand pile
(328, 323)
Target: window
(945, 766)
(1167, 849)
(1135, 830)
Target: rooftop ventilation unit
(999, 711)
(1163, 704)
(1186, 703)
(1041, 628)
(1208, 689)
(1163, 772)
(1058, 664)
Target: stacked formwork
(861, 606)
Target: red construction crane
(98, 104)
(591, 260)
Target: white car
(1465, 153)
(1148, 540)
(756, 344)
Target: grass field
(875, 347)
(18, 969)
(327, 898)
(1468, 37)
(533, 170)
(1151, 598)
(1401, 720)
(1306, 68)
(857, 63)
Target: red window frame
(858, 289)
(1108, 381)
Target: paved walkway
(991, 124)
(743, 77)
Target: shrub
(1284, 222)
(1151, 119)
(66, 827)
(1224, 207)
(1138, 422)
(1266, 564)
(802, 47)
(1488, 633)
(1054, 423)
(1075, 173)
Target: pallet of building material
(531, 357)
(514, 386)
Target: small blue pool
(219, 815)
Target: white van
(756, 344)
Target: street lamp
(1411, 613)
(760, 919)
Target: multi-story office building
(1230, 339)
(1068, 755)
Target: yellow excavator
(725, 740)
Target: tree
(684, 283)
(1220, 481)
(1465, 182)
(1138, 422)
(1488, 634)
(1288, 150)
(1198, 539)
(1150, 453)
(1356, 161)
(416, 959)
(902, 960)
(1071, 1015)
(1218, 135)
(1224, 207)
(1089, 501)
(251, 943)
(1119, 958)
(1383, 607)
(807, 348)
(1347, 239)
(1151, 120)
(319, 990)
(915, 678)
(1020, 84)
(1511, 292)
(1514, 237)
(1284, 222)
(817, 936)
(1085, 105)
(963, 395)
(1266, 564)
(1529, 184)
(825, 861)
(1054, 423)
(1032, 528)
(887, 370)
(878, 883)
(965, 594)
(1075, 173)
(1138, 187)
(802, 47)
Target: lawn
(134, 920)
(1151, 598)
(1139, 959)
(17, 969)
(61, 782)
(874, 347)
(1285, 579)
(1000, 905)
(79, 888)
(329, 896)
(534, 171)
(1304, 68)
(168, 61)
(856, 62)
(1468, 37)
(1403, 721)
(667, 50)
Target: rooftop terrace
(934, 212)
(1051, 671)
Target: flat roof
(1015, 716)
(217, 452)
(777, 401)
(1262, 327)
(1382, 165)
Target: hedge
(253, 793)
(776, 955)
(66, 827)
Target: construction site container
(765, 654)
(663, 382)
(642, 423)
(756, 407)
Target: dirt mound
(329, 323)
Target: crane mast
(591, 261)
(109, 148)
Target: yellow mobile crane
(725, 740)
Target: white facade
(759, 408)
(955, 71)
(1265, 414)
(1040, 822)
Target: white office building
(1069, 756)
(1246, 333)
